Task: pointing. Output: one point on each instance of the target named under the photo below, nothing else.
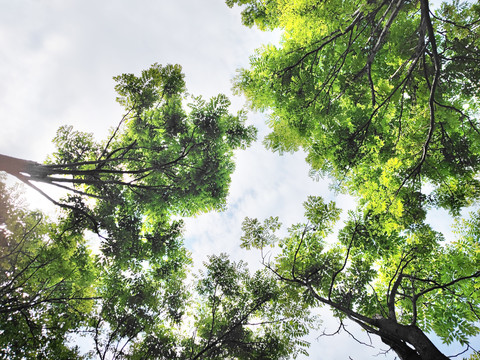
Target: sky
(57, 60)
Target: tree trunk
(398, 336)
(403, 351)
(24, 170)
(14, 166)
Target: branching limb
(438, 286)
(326, 41)
(105, 149)
(297, 251)
(393, 289)
(332, 283)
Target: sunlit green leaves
(245, 316)
(165, 158)
(73, 146)
(257, 235)
(373, 270)
(321, 215)
(47, 277)
(350, 83)
(149, 89)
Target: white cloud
(59, 58)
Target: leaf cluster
(382, 96)
(46, 283)
(410, 276)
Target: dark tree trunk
(15, 166)
(403, 351)
(398, 336)
(408, 341)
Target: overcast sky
(57, 60)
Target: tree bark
(408, 341)
(15, 166)
(398, 336)
(403, 351)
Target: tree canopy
(54, 292)
(400, 286)
(160, 160)
(382, 95)
(383, 98)
(160, 156)
(132, 298)
(46, 282)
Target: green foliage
(163, 159)
(257, 235)
(46, 283)
(132, 298)
(411, 276)
(229, 314)
(73, 146)
(160, 156)
(382, 96)
(474, 356)
(139, 305)
(243, 316)
(321, 215)
(133, 303)
(257, 12)
(154, 84)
